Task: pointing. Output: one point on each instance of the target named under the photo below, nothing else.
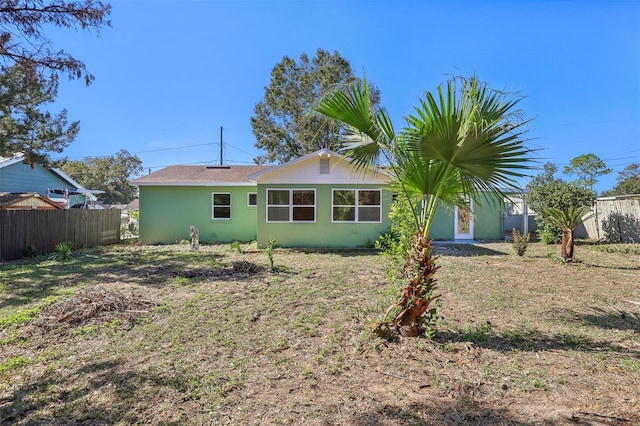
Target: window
(221, 205)
(252, 199)
(291, 205)
(356, 205)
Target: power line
(144, 152)
(586, 124)
(169, 149)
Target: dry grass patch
(222, 340)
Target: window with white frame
(356, 205)
(221, 208)
(291, 205)
(252, 199)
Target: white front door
(463, 223)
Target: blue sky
(169, 74)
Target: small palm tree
(567, 220)
(465, 142)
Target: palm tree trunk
(417, 295)
(566, 248)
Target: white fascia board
(193, 184)
(68, 178)
(7, 161)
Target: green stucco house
(318, 200)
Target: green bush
(547, 236)
(63, 250)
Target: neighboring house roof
(201, 176)
(26, 201)
(67, 178)
(7, 161)
(133, 205)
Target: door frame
(463, 236)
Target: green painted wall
(442, 227)
(322, 233)
(488, 221)
(166, 213)
(487, 218)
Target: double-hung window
(252, 199)
(221, 208)
(291, 205)
(356, 205)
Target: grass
(522, 340)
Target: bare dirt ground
(164, 335)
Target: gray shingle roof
(201, 175)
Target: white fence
(614, 219)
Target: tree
(628, 181)
(109, 174)
(22, 37)
(587, 167)
(567, 220)
(283, 122)
(465, 142)
(24, 127)
(548, 192)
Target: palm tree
(567, 220)
(465, 142)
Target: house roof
(18, 198)
(133, 205)
(7, 161)
(201, 176)
(67, 178)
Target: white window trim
(356, 206)
(291, 206)
(249, 197)
(213, 194)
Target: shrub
(268, 251)
(520, 242)
(63, 250)
(30, 251)
(547, 236)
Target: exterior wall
(323, 233)
(487, 222)
(443, 224)
(20, 177)
(167, 212)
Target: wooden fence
(24, 230)
(615, 220)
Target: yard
(214, 337)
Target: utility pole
(221, 145)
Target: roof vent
(218, 167)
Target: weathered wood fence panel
(43, 229)
(614, 220)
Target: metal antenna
(221, 145)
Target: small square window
(221, 205)
(252, 199)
